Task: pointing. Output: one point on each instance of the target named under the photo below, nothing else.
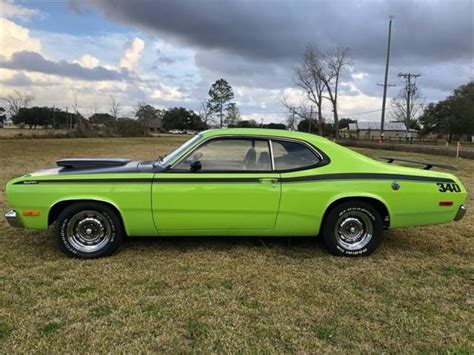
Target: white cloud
(167, 93)
(87, 61)
(132, 53)
(359, 76)
(8, 9)
(15, 38)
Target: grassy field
(29, 133)
(415, 294)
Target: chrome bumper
(461, 213)
(13, 220)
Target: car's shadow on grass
(223, 243)
(405, 241)
(395, 242)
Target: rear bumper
(13, 219)
(461, 213)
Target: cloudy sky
(168, 53)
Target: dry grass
(25, 132)
(415, 294)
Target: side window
(228, 155)
(292, 155)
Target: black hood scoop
(85, 163)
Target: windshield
(170, 157)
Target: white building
(369, 130)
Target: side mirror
(196, 166)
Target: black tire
(353, 228)
(88, 230)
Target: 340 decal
(448, 187)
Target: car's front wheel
(88, 230)
(353, 228)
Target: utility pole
(385, 84)
(67, 117)
(410, 88)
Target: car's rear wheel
(88, 230)
(353, 228)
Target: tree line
(453, 116)
(217, 111)
(319, 75)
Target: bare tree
(319, 78)
(233, 115)
(308, 78)
(75, 105)
(16, 101)
(206, 114)
(332, 64)
(406, 106)
(94, 109)
(114, 107)
(296, 113)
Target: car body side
(295, 205)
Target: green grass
(220, 295)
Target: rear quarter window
(293, 155)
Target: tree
(182, 119)
(206, 114)
(114, 107)
(452, 116)
(319, 77)
(232, 115)
(344, 122)
(220, 96)
(273, 125)
(295, 114)
(407, 105)
(247, 124)
(75, 105)
(128, 127)
(101, 118)
(2, 115)
(16, 101)
(308, 78)
(333, 63)
(45, 117)
(147, 113)
(308, 125)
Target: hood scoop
(85, 163)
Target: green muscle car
(235, 182)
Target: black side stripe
(365, 176)
(217, 180)
(84, 181)
(321, 177)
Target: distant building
(369, 130)
(154, 126)
(8, 123)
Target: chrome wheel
(89, 231)
(354, 230)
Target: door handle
(268, 180)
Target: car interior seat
(250, 158)
(264, 160)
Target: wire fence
(440, 142)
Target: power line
(410, 89)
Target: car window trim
(324, 159)
(272, 159)
(199, 145)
